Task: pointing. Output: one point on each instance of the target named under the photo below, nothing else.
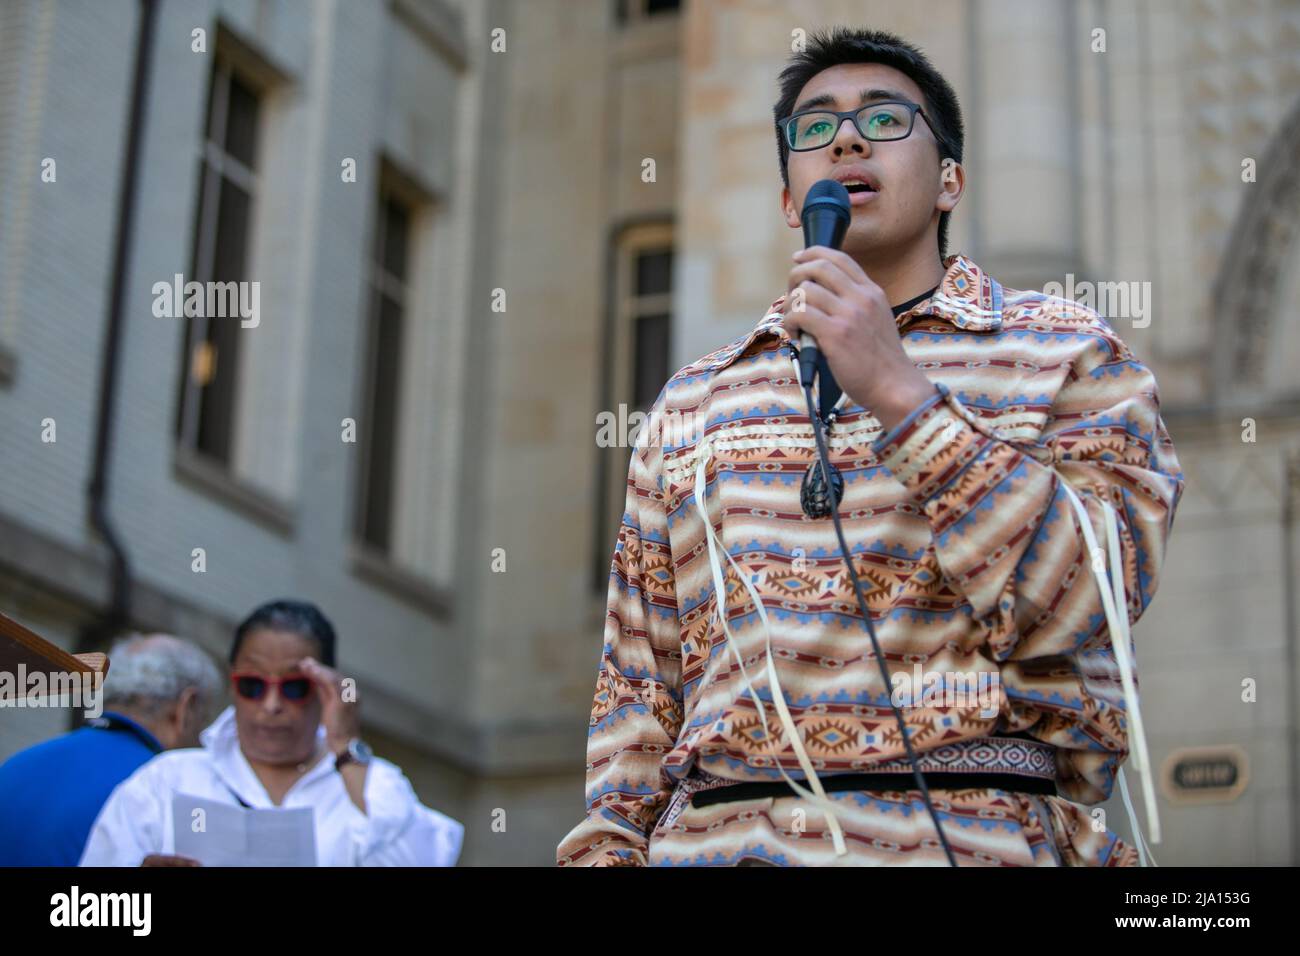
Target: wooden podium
(22, 647)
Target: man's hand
(833, 300)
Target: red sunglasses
(292, 687)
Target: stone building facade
(551, 205)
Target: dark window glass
(394, 237)
(215, 83)
(234, 209)
(188, 347)
(654, 272)
(241, 123)
(376, 506)
(381, 457)
(625, 10)
(223, 220)
(217, 409)
(216, 412)
(651, 359)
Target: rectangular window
(227, 191)
(651, 292)
(387, 296)
(640, 359)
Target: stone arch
(1251, 311)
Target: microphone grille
(828, 192)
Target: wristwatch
(358, 751)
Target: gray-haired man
(159, 694)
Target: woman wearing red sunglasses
(292, 738)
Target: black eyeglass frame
(841, 116)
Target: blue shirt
(50, 794)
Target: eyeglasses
(877, 122)
(294, 687)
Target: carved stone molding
(1247, 287)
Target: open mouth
(860, 191)
(861, 194)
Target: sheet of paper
(217, 834)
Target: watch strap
(349, 754)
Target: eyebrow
(868, 95)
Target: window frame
(380, 283)
(216, 164)
(627, 242)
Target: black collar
(900, 309)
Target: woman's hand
(340, 709)
(341, 715)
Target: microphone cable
(823, 457)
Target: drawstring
(818, 794)
(1113, 598)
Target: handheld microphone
(825, 220)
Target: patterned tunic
(973, 561)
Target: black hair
(298, 617)
(843, 45)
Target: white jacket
(396, 830)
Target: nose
(271, 701)
(848, 136)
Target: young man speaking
(959, 417)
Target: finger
(814, 296)
(839, 258)
(808, 291)
(328, 683)
(318, 671)
(822, 270)
(821, 275)
(826, 301)
(811, 320)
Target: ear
(952, 183)
(787, 209)
(187, 708)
